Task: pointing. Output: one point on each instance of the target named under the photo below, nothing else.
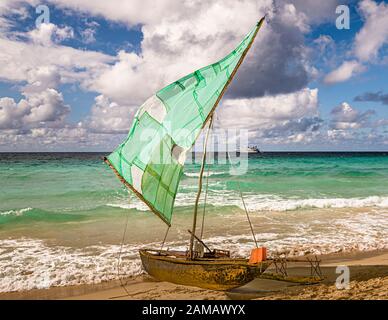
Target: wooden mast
(191, 253)
(210, 118)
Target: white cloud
(46, 108)
(268, 109)
(269, 91)
(109, 117)
(344, 72)
(374, 33)
(368, 41)
(346, 117)
(129, 12)
(127, 80)
(47, 34)
(190, 39)
(18, 59)
(290, 116)
(41, 78)
(291, 16)
(183, 41)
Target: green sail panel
(151, 160)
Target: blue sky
(74, 83)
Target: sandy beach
(368, 280)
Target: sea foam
(260, 202)
(27, 264)
(18, 212)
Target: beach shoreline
(368, 280)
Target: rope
(164, 240)
(245, 207)
(246, 211)
(205, 201)
(119, 255)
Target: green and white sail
(150, 161)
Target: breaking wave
(266, 202)
(27, 264)
(18, 212)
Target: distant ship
(253, 149)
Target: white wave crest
(211, 173)
(260, 202)
(294, 204)
(18, 212)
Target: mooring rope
(119, 255)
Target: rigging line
(119, 255)
(246, 211)
(205, 201)
(245, 207)
(164, 240)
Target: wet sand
(368, 276)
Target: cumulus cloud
(374, 33)
(190, 39)
(279, 61)
(128, 12)
(42, 78)
(280, 116)
(47, 34)
(46, 108)
(18, 59)
(109, 117)
(373, 97)
(293, 127)
(124, 81)
(345, 116)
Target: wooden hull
(214, 274)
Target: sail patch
(155, 108)
(137, 175)
(179, 154)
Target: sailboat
(150, 162)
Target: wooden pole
(210, 118)
(191, 253)
(199, 240)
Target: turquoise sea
(63, 215)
